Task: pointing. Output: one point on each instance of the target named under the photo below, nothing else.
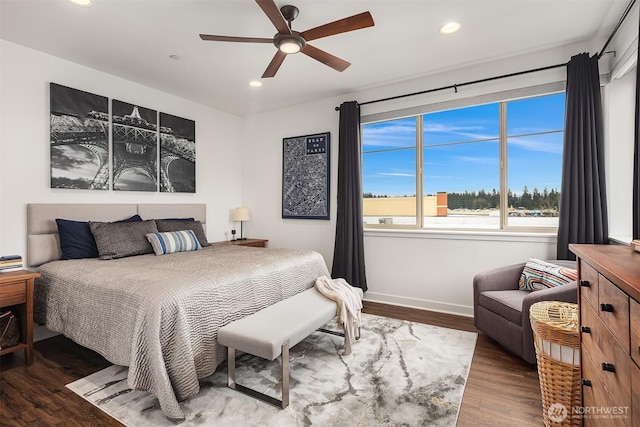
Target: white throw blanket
(349, 304)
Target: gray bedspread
(159, 315)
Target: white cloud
(402, 174)
(537, 145)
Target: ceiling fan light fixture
(449, 27)
(289, 43)
(85, 3)
(290, 46)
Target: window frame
(502, 99)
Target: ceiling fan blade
(326, 58)
(275, 16)
(355, 22)
(211, 37)
(274, 65)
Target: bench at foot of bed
(272, 331)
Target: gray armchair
(501, 310)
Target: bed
(158, 315)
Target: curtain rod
(615, 30)
(534, 70)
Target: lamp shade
(241, 214)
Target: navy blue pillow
(76, 239)
(134, 218)
(177, 219)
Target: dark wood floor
(502, 390)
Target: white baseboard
(440, 307)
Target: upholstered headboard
(42, 232)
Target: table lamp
(241, 214)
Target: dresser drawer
(596, 397)
(634, 321)
(635, 395)
(614, 310)
(13, 293)
(611, 361)
(588, 283)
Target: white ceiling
(133, 39)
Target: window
(443, 169)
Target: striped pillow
(538, 275)
(173, 241)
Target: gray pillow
(173, 225)
(122, 239)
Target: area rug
(399, 374)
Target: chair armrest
(498, 279)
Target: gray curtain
(583, 205)
(636, 157)
(348, 254)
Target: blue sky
(462, 149)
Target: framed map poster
(305, 176)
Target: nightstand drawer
(588, 283)
(13, 293)
(613, 309)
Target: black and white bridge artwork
(79, 139)
(135, 147)
(80, 145)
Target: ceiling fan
(288, 41)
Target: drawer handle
(608, 367)
(586, 382)
(606, 307)
(586, 329)
(584, 283)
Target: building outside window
(490, 166)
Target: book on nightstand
(10, 263)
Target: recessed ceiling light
(81, 2)
(255, 83)
(449, 27)
(175, 57)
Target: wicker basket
(557, 343)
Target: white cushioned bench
(270, 333)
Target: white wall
(262, 176)
(25, 75)
(618, 110)
(618, 106)
(432, 270)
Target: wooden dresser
(609, 295)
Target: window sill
(484, 235)
(620, 240)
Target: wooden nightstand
(16, 291)
(256, 243)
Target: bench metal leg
(231, 379)
(340, 334)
